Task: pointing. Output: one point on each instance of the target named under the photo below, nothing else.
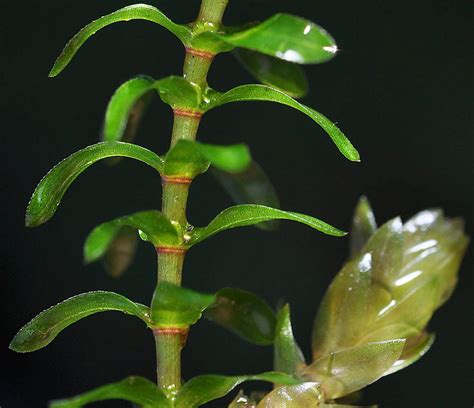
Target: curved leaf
(125, 109)
(282, 75)
(134, 12)
(205, 388)
(288, 357)
(249, 214)
(286, 37)
(250, 186)
(246, 93)
(188, 159)
(348, 370)
(363, 226)
(133, 389)
(154, 227)
(120, 252)
(179, 93)
(302, 395)
(176, 306)
(42, 330)
(244, 314)
(50, 190)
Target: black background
(400, 88)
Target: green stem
(169, 341)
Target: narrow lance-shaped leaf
(250, 186)
(42, 330)
(348, 370)
(244, 314)
(177, 307)
(287, 37)
(134, 12)
(288, 357)
(125, 109)
(246, 93)
(133, 389)
(205, 388)
(153, 226)
(188, 159)
(363, 226)
(243, 215)
(50, 190)
(282, 75)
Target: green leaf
(287, 37)
(134, 12)
(154, 227)
(50, 190)
(363, 226)
(120, 252)
(205, 388)
(244, 314)
(284, 76)
(288, 357)
(415, 348)
(179, 93)
(125, 109)
(246, 93)
(250, 186)
(302, 395)
(348, 370)
(133, 389)
(42, 330)
(250, 214)
(177, 307)
(188, 159)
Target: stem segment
(170, 341)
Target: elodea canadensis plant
(373, 319)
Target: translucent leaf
(120, 252)
(42, 330)
(133, 389)
(153, 225)
(243, 215)
(282, 75)
(287, 37)
(302, 395)
(134, 12)
(265, 93)
(179, 93)
(288, 357)
(244, 314)
(363, 226)
(188, 159)
(50, 190)
(125, 109)
(205, 388)
(250, 186)
(174, 306)
(348, 370)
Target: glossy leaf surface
(133, 389)
(244, 314)
(363, 226)
(282, 75)
(288, 357)
(302, 395)
(179, 93)
(134, 12)
(243, 215)
(205, 388)
(287, 37)
(175, 306)
(251, 186)
(153, 226)
(50, 190)
(247, 93)
(242, 401)
(125, 109)
(42, 330)
(348, 370)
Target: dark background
(401, 89)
